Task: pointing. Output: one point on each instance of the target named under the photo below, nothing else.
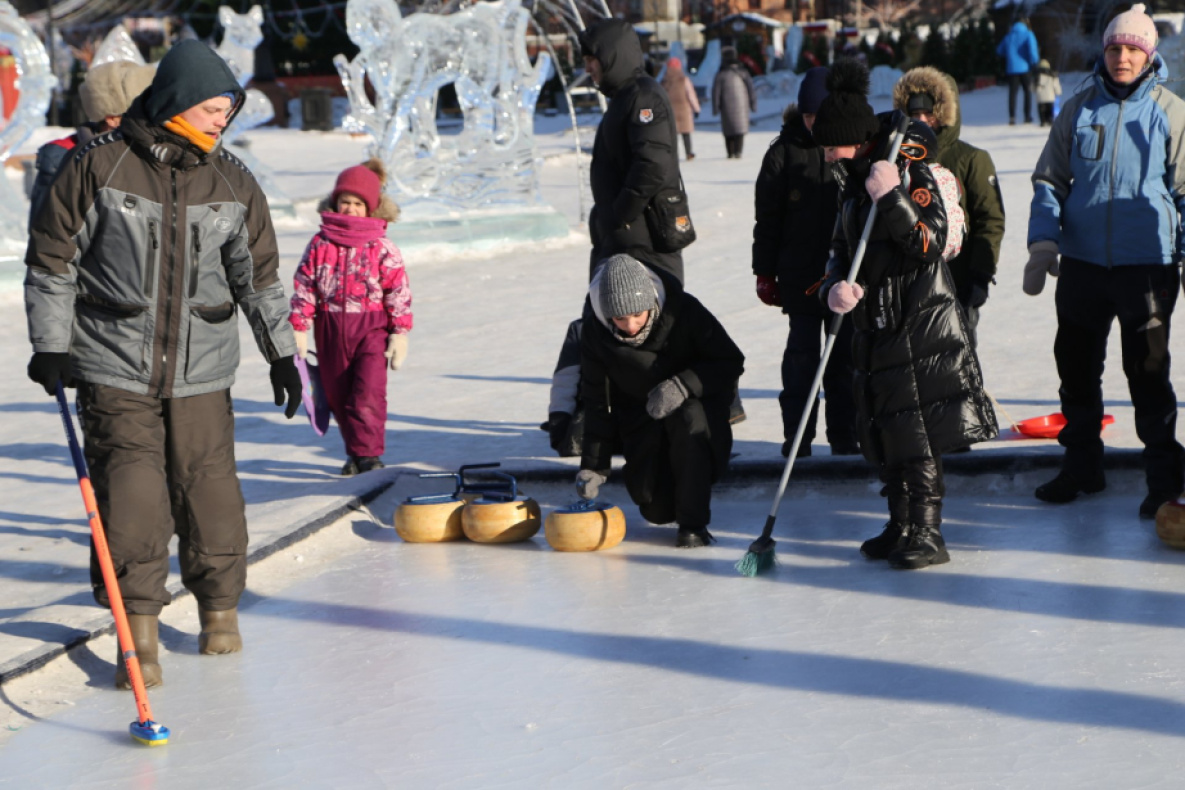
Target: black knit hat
(845, 117)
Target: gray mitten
(588, 483)
(664, 399)
(1042, 261)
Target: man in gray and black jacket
(150, 242)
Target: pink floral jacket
(342, 278)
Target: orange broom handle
(126, 646)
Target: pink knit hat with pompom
(359, 180)
(1134, 28)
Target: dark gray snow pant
(161, 466)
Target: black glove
(286, 381)
(974, 292)
(558, 423)
(47, 368)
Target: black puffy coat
(796, 199)
(686, 341)
(634, 154)
(918, 383)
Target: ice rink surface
(1046, 654)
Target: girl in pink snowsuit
(352, 287)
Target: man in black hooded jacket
(635, 154)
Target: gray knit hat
(626, 287)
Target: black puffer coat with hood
(796, 196)
(918, 383)
(634, 154)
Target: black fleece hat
(189, 74)
(845, 117)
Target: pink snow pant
(351, 351)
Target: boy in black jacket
(658, 370)
(796, 203)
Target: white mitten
(397, 350)
(882, 178)
(302, 344)
(843, 298)
(1043, 260)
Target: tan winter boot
(144, 637)
(220, 632)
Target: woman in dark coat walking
(733, 98)
(918, 384)
(684, 102)
(659, 371)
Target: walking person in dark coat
(635, 153)
(152, 240)
(733, 98)
(796, 207)
(918, 382)
(684, 102)
(659, 371)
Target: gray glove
(588, 483)
(1042, 261)
(664, 399)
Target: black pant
(161, 466)
(1089, 298)
(1025, 81)
(733, 144)
(915, 489)
(670, 464)
(1045, 113)
(799, 365)
(687, 145)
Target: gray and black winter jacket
(144, 252)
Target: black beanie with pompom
(845, 117)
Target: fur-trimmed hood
(926, 79)
(387, 208)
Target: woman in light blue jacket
(1109, 196)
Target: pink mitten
(881, 180)
(843, 297)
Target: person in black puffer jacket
(658, 373)
(918, 383)
(796, 206)
(634, 154)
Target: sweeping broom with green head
(760, 556)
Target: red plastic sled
(1049, 426)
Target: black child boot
(924, 547)
(896, 531)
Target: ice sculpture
(36, 82)
(242, 33)
(490, 164)
(117, 46)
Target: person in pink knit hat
(352, 287)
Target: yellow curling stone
(492, 521)
(585, 528)
(1170, 523)
(430, 521)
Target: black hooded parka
(918, 383)
(634, 154)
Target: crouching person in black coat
(658, 370)
(919, 389)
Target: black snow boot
(144, 629)
(894, 537)
(368, 463)
(924, 547)
(693, 537)
(1067, 486)
(351, 467)
(1153, 501)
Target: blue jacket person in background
(1020, 53)
(1109, 194)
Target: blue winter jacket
(1019, 49)
(1109, 187)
